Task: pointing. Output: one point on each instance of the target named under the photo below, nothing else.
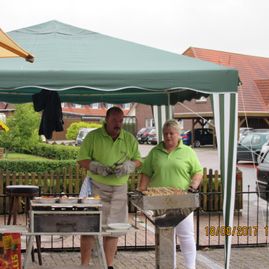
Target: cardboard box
(10, 251)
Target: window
(256, 140)
(77, 105)
(181, 124)
(107, 105)
(201, 100)
(149, 123)
(95, 105)
(246, 141)
(126, 106)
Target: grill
(66, 218)
(165, 212)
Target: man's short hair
(112, 110)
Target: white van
(82, 134)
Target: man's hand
(126, 168)
(99, 169)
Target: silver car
(82, 134)
(249, 148)
(264, 150)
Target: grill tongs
(135, 193)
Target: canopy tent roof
(88, 67)
(9, 49)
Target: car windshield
(81, 134)
(141, 131)
(153, 131)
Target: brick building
(253, 93)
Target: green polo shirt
(174, 169)
(99, 146)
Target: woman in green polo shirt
(173, 164)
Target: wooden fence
(69, 180)
(212, 191)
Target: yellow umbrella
(3, 126)
(8, 48)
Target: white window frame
(95, 105)
(202, 99)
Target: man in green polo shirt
(109, 154)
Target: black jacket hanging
(52, 117)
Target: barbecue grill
(66, 219)
(165, 212)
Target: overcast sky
(239, 26)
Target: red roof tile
(263, 86)
(252, 70)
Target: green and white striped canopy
(87, 67)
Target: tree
(23, 129)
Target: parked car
(264, 150)
(82, 134)
(202, 136)
(152, 137)
(140, 132)
(249, 148)
(263, 177)
(143, 136)
(186, 137)
(243, 131)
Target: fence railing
(250, 226)
(66, 180)
(69, 180)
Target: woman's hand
(195, 182)
(143, 184)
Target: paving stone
(243, 258)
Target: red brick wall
(61, 135)
(143, 112)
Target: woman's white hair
(172, 124)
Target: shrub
(58, 152)
(35, 166)
(23, 126)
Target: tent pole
(161, 114)
(225, 116)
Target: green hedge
(57, 152)
(35, 166)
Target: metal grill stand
(165, 247)
(165, 212)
